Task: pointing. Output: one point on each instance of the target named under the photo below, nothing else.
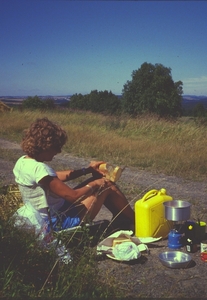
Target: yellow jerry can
(150, 215)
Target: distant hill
(190, 101)
(17, 100)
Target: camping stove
(175, 236)
(179, 212)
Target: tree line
(151, 90)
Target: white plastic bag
(27, 217)
(126, 251)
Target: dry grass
(172, 147)
(4, 107)
(10, 201)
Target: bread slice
(112, 174)
(116, 174)
(120, 240)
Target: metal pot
(177, 210)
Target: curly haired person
(47, 191)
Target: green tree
(33, 103)
(49, 103)
(152, 90)
(199, 110)
(108, 102)
(77, 102)
(101, 102)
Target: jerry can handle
(152, 193)
(149, 195)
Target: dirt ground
(145, 277)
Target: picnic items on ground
(149, 239)
(150, 220)
(151, 225)
(111, 173)
(121, 245)
(126, 251)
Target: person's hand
(94, 165)
(102, 183)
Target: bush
(32, 103)
(36, 103)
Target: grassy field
(171, 147)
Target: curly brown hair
(43, 135)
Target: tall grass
(28, 269)
(171, 147)
(146, 142)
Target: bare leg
(108, 202)
(93, 204)
(117, 203)
(113, 199)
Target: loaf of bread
(111, 173)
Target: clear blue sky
(60, 47)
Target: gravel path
(178, 188)
(146, 277)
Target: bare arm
(55, 185)
(73, 174)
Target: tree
(77, 102)
(49, 103)
(104, 102)
(199, 110)
(100, 102)
(33, 103)
(152, 90)
(37, 103)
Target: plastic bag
(126, 251)
(27, 217)
(106, 246)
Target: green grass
(171, 147)
(28, 269)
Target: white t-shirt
(28, 172)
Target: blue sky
(60, 47)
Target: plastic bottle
(60, 249)
(191, 246)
